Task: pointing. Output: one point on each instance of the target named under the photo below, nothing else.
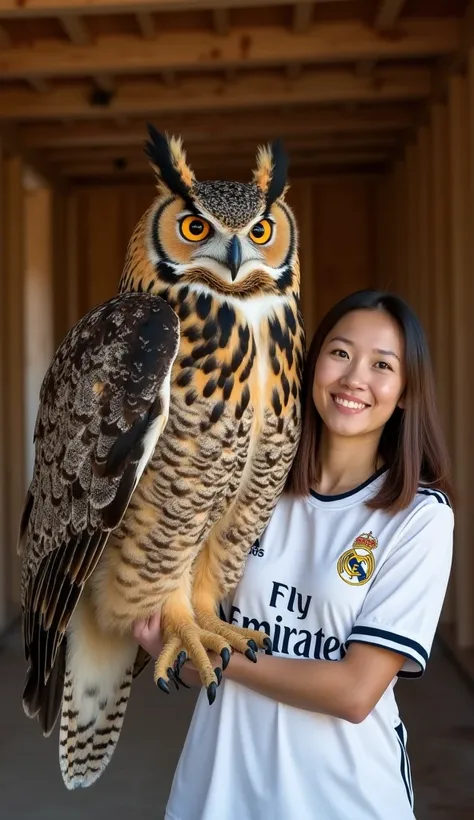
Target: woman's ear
(401, 402)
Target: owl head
(233, 238)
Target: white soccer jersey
(328, 571)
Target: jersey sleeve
(402, 608)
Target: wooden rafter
(388, 13)
(4, 38)
(221, 21)
(39, 84)
(252, 90)
(51, 8)
(146, 24)
(229, 147)
(76, 30)
(105, 83)
(201, 128)
(243, 47)
(303, 165)
(302, 17)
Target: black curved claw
(172, 676)
(179, 680)
(161, 683)
(181, 659)
(268, 646)
(225, 655)
(218, 674)
(252, 645)
(250, 654)
(211, 693)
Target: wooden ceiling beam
(39, 84)
(338, 159)
(5, 40)
(196, 152)
(221, 21)
(388, 13)
(105, 82)
(51, 8)
(76, 30)
(258, 47)
(302, 17)
(204, 128)
(250, 90)
(146, 24)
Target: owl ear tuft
(168, 160)
(271, 172)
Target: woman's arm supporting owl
(347, 689)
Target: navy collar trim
(348, 494)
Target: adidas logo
(257, 549)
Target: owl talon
(161, 683)
(172, 676)
(225, 655)
(268, 646)
(180, 681)
(218, 674)
(252, 645)
(250, 654)
(181, 659)
(211, 693)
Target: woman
(349, 576)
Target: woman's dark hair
(412, 445)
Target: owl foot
(193, 643)
(245, 641)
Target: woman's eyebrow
(375, 350)
(386, 353)
(341, 339)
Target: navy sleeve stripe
(441, 497)
(392, 637)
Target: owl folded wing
(103, 405)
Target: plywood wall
(336, 238)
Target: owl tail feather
(98, 679)
(43, 700)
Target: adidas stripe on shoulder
(441, 497)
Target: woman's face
(360, 373)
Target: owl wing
(103, 404)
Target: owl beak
(234, 256)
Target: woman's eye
(342, 354)
(194, 229)
(382, 366)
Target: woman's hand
(148, 634)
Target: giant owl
(167, 425)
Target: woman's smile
(348, 405)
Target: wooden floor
(438, 712)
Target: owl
(167, 425)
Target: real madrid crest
(356, 565)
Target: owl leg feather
(205, 597)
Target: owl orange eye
(194, 229)
(261, 233)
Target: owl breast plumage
(217, 451)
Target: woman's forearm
(320, 686)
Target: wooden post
(424, 258)
(4, 545)
(412, 226)
(14, 364)
(462, 348)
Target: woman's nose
(354, 377)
